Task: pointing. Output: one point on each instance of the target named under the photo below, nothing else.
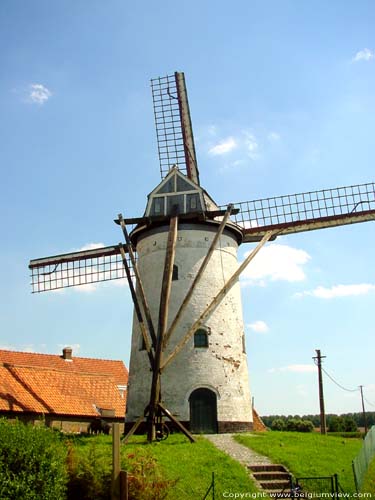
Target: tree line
(347, 422)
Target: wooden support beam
(137, 308)
(216, 300)
(198, 276)
(150, 219)
(141, 291)
(136, 424)
(177, 423)
(162, 324)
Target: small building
(67, 392)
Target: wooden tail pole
(141, 291)
(182, 428)
(217, 299)
(199, 275)
(136, 306)
(162, 325)
(135, 426)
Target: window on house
(200, 338)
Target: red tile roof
(45, 383)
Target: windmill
(188, 361)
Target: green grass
(177, 459)
(307, 455)
(369, 482)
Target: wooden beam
(136, 424)
(198, 276)
(141, 291)
(137, 308)
(177, 423)
(216, 300)
(150, 219)
(162, 324)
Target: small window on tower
(243, 344)
(175, 273)
(200, 338)
(142, 344)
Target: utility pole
(323, 427)
(363, 409)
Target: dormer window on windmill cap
(175, 190)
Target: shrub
(32, 462)
(278, 424)
(297, 425)
(89, 474)
(146, 479)
(342, 424)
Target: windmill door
(203, 411)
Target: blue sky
(282, 101)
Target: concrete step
(269, 476)
(267, 468)
(275, 484)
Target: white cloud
(273, 137)
(90, 246)
(363, 55)
(251, 145)
(258, 326)
(212, 130)
(338, 291)
(276, 262)
(223, 147)
(295, 369)
(38, 93)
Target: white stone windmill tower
(188, 359)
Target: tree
(278, 424)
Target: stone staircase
(272, 478)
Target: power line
(368, 402)
(339, 385)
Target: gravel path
(244, 455)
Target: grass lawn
(309, 454)
(177, 459)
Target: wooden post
(198, 276)
(323, 426)
(217, 299)
(363, 409)
(115, 493)
(136, 306)
(124, 485)
(141, 291)
(162, 325)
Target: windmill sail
(77, 268)
(174, 132)
(306, 211)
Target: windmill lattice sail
(173, 126)
(77, 268)
(306, 211)
(288, 214)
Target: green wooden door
(203, 411)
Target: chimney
(67, 354)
